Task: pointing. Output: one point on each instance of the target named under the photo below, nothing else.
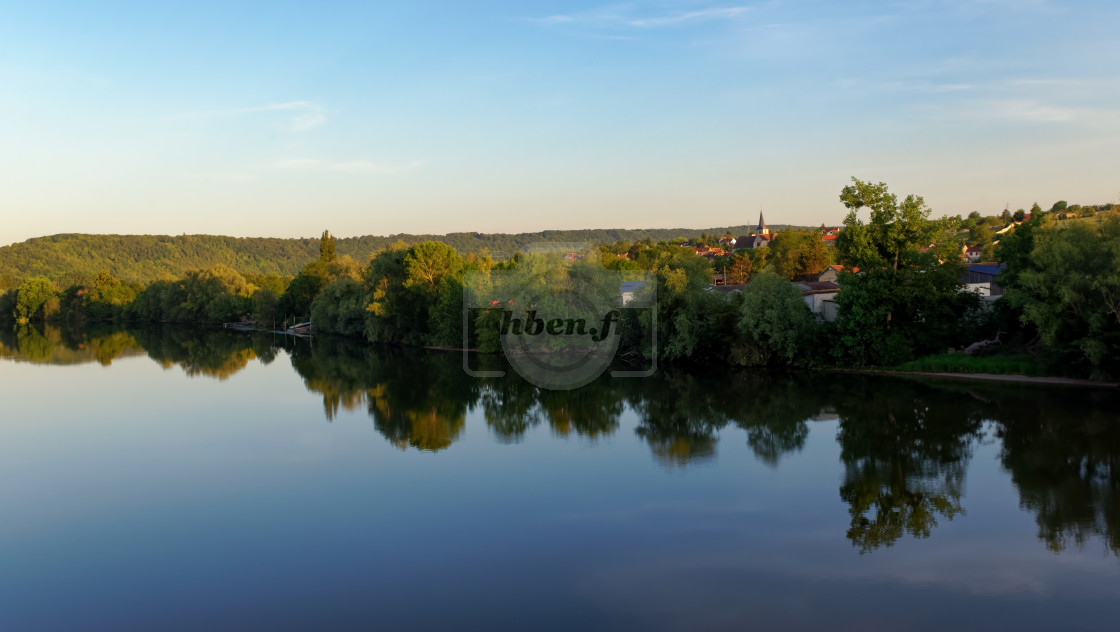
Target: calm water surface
(177, 479)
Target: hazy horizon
(277, 119)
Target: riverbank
(988, 377)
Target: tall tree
(894, 230)
(903, 301)
(326, 248)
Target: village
(819, 287)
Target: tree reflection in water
(905, 452)
(905, 445)
(1065, 462)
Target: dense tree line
(1063, 285)
(901, 295)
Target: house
(819, 295)
(829, 240)
(983, 279)
(727, 241)
(832, 273)
(708, 253)
(972, 254)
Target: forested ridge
(77, 258)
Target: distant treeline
(74, 258)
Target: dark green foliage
(390, 312)
(218, 294)
(8, 305)
(690, 323)
(445, 316)
(906, 298)
(1066, 282)
(339, 308)
(776, 319)
(295, 304)
(888, 317)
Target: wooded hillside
(77, 258)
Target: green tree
(265, 305)
(738, 266)
(895, 229)
(327, 248)
(391, 312)
(106, 297)
(981, 236)
(799, 252)
(33, 299)
(1068, 286)
(774, 315)
(295, 304)
(428, 262)
(887, 317)
(340, 308)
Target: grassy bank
(994, 364)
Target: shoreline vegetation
(901, 305)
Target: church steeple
(762, 229)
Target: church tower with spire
(762, 229)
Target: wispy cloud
(304, 114)
(222, 177)
(860, 85)
(301, 115)
(352, 166)
(1032, 111)
(627, 17)
(1025, 110)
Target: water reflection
(1065, 463)
(52, 345)
(905, 446)
(905, 452)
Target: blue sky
(282, 119)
